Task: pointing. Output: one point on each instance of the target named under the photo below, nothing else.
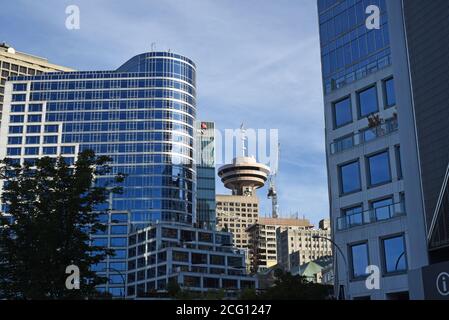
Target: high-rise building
(385, 94)
(297, 246)
(420, 47)
(142, 115)
(205, 168)
(262, 240)
(366, 187)
(13, 63)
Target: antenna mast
(272, 191)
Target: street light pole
(123, 279)
(344, 260)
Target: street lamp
(123, 279)
(344, 260)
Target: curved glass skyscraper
(142, 115)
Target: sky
(258, 63)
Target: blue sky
(258, 63)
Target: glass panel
(368, 102)
(390, 95)
(342, 112)
(395, 255)
(359, 256)
(382, 209)
(379, 168)
(350, 177)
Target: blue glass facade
(349, 51)
(141, 115)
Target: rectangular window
(68, 150)
(394, 254)
(119, 229)
(15, 140)
(16, 129)
(350, 177)
(382, 209)
(397, 150)
(18, 108)
(342, 112)
(33, 140)
(13, 151)
(390, 95)
(50, 139)
(52, 128)
(35, 108)
(33, 129)
(34, 118)
(16, 118)
(19, 87)
(18, 97)
(31, 151)
(367, 102)
(118, 242)
(359, 260)
(49, 150)
(379, 169)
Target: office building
(297, 246)
(366, 187)
(13, 63)
(205, 168)
(420, 47)
(142, 115)
(386, 142)
(262, 246)
(197, 259)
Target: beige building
(263, 243)
(235, 214)
(14, 63)
(298, 246)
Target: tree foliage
(52, 209)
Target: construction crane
(272, 191)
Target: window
(19, 87)
(15, 129)
(34, 118)
(359, 260)
(119, 229)
(13, 151)
(390, 95)
(68, 150)
(33, 129)
(119, 217)
(394, 254)
(379, 169)
(397, 150)
(50, 139)
(353, 216)
(15, 140)
(217, 260)
(169, 233)
(18, 97)
(180, 256)
(33, 140)
(16, 119)
(52, 128)
(368, 102)
(31, 151)
(18, 108)
(118, 242)
(350, 177)
(35, 108)
(342, 112)
(49, 150)
(382, 209)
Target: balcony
(371, 216)
(362, 137)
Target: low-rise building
(263, 243)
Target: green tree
(289, 287)
(53, 209)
